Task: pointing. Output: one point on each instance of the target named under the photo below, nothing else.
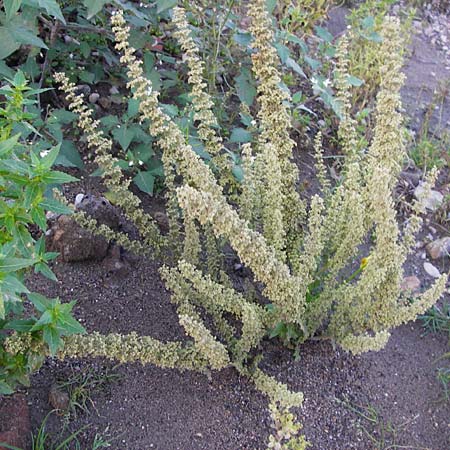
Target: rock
(431, 270)
(100, 209)
(439, 249)
(432, 201)
(78, 199)
(58, 398)
(410, 284)
(105, 102)
(93, 98)
(84, 89)
(113, 90)
(15, 421)
(74, 243)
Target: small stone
(58, 398)
(93, 98)
(78, 199)
(105, 102)
(439, 249)
(431, 270)
(113, 90)
(84, 89)
(410, 284)
(432, 201)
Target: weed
(383, 434)
(82, 386)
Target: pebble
(113, 90)
(431, 270)
(432, 201)
(78, 199)
(93, 98)
(439, 248)
(410, 284)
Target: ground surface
(385, 400)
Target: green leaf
(67, 325)
(270, 5)
(2, 306)
(240, 135)
(45, 270)
(124, 135)
(11, 7)
(12, 284)
(245, 87)
(69, 156)
(21, 325)
(52, 9)
(94, 7)
(145, 182)
(56, 177)
(295, 67)
(46, 319)
(9, 43)
(22, 35)
(354, 81)
(64, 116)
(53, 339)
(324, 34)
(283, 52)
(5, 389)
(8, 265)
(40, 302)
(50, 204)
(9, 144)
(5, 71)
(163, 5)
(133, 107)
(279, 329)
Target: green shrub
(25, 175)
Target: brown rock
(58, 398)
(15, 428)
(410, 284)
(439, 249)
(75, 243)
(105, 102)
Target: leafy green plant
(26, 174)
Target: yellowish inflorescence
(300, 250)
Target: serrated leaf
(50, 204)
(57, 177)
(11, 264)
(7, 145)
(40, 302)
(145, 181)
(21, 325)
(12, 284)
(240, 135)
(69, 156)
(67, 325)
(124, 136)
(52, 338)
